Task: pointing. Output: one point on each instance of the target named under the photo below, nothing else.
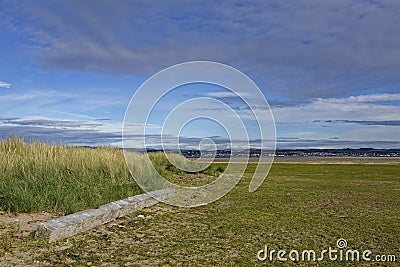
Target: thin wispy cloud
(5, 85)
(381, 123)
(228, 94)
(362, 99)
(34, 95)
(5, 118)
(50, 123)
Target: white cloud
(228, 94)
(5, 85)
(355, 121)
(364, 107)
(362, 98)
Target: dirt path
(12, 229)
(25, 223)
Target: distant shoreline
(320, 160)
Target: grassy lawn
(299, 206)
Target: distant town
(347, 152)
(255, 153)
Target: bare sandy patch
(26, 223)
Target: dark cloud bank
(299, 49)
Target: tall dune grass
(166, 168)
(57, 178)
(38, 177)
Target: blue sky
(329, 69)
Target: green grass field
(299, 206)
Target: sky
(330, 70)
